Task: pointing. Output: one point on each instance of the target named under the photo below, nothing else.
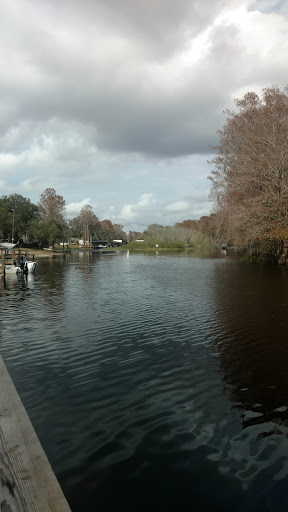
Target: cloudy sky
(116, 103)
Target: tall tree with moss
(52, 211)
(250, 176)
(88, 222)
(52, 205)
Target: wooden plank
(27, 482)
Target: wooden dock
(27, 482)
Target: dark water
(155, 381)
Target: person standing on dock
(22, 262)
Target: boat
(100, 246)
(29, 266)
(25, 267)
(12, 269)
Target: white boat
(29, 266)
(12, 269)
(100, 247)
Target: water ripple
(165, 373)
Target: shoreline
(38, 253)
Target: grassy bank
(39, 253)
(162, 246)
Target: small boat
(12, 269)
(29, 266)
(100, 246)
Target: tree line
(187, 233)
(250, 175)
(45, 223)
(21, 220)
(249, 191)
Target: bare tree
(118, 232)
(250, 176)
(88, 222)
(135, 235)
(173, 234)
(51, 205)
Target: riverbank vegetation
(45, 225)
(250, 176)
(249, 190)
(21, 220)
(179, 236)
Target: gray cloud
(114, 103)
(94, 62)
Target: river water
(155, 380)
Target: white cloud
(180, 206)
(7, 160)
(73, 209)
(132, 213)
(37, 184)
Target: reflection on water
(254, 343)
(155, 379)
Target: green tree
(51, 231)
(108, 231)
(5, 221)
(75, 230)
(119, 234)
(18, 211)
(105, 230)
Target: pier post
(2, 267)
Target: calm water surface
(155, 381)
